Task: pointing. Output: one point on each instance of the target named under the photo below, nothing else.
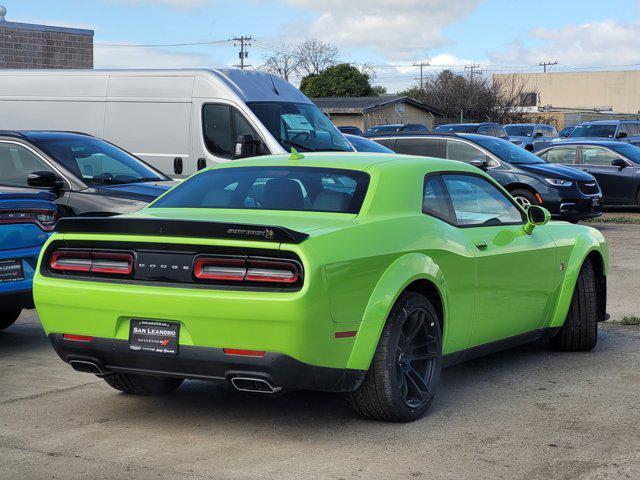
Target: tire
(580, 330)
(389, 391)
(524, 197)
(8, 317)
(142, 384)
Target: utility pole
(547, 64)
(243, 43)
(421, 65)
(473, 69)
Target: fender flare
(400, 274)
(583, 247)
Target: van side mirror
(246, 146)
(536, 217)
(481, 164)
(618, 162)
(45, 179)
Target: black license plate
(11, 270)
(154, 336)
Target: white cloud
(589, 44)
(184, 4)
(398, 29)
(145, 57)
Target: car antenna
(275, 90)
(295, 155)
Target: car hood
(517, 138)
(555, 170)
(143, 191)
(303, 222)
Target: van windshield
(301, 126)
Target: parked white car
(177, 120)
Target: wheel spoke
(420, 386)
(423, 356)
(415, 328)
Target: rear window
(271, 188)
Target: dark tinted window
(464, 152)
(271, 188)
(424, 147)
(97, 162)
(435, 199)
(507, 151)
(594, 130)
(16, 163)
(627, 150)
(221, 126)
(519, 130)
(477, 202)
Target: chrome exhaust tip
(86, 366)
(254, 385)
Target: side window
(477, 202)
(456, 150)
(622, 128)
(216, 127)
(435, 199)
(16, 163)
(597, 156)
(242, 126)
(550, 132)
(633, 129)
(424, 147)
(566, 155)
(484, 131)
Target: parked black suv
(486, 128)
(89, 176)
(569, 194)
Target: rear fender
(584, 245)
(401, 273)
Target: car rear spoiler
(178, 228)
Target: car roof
(470, 124)
(42, 135)
(349, 161)
(527, 125)
(604, 143)
(608, 122)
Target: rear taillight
(246, 270)
(113, 263)
(45, 219)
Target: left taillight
(45, 219)
(91, 262)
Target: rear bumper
(16, 299)
(207, 363)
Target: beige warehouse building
(615, 90)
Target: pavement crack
(44, 394)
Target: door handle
(480, 244)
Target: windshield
(629, 151)
(507, 151)
(457, 128)
(271, 188)
(364, 145)
(519, 130)
(98, 162)
(598, 130)
(301, 126)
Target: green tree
(341, 80)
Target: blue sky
(500, 35)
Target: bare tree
(283, 63)
(314, 55)
(510, 92)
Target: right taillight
(247, 270)
(110, 263)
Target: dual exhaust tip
(242, 384)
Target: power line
(472, 70)
(151, 45)
(243, 44)
(544, 65)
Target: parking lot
(525, 413)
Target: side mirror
(246, 146)
(481, 164)
(621, 135)
(536, 216)
(618, 162)
(538, 134)
(45, 179)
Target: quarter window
(476, 202)
(597, 156)
(16, 163)
(561, 155)
(435, 200)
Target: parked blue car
(530, 136)
(26, 221)
(621, 130)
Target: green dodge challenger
(357, 273)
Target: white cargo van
(177, 120)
